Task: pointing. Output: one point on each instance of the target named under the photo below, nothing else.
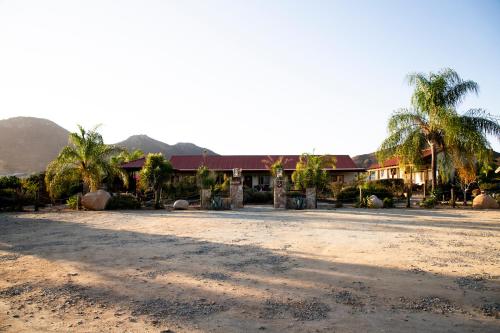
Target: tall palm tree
(433, 122)
(87, 158)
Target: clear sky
(240, 77)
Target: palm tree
(273, 165)
(433, 122)
(86, 158)
(155, 173)
(127, 156)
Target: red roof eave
(245, 162)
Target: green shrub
(429, 202)
(72, 202)
(388, 203)
(395, 185)
(379, 190)
(11, 182)
(490, 187)
(257, 197)
(11, 194)
(123, 201)
(184, 188)
(362, 204)
(339, 204)
(9, 200)
(348, 194)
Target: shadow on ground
(186, 282)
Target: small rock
(181, 205)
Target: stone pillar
(311, 198)
(205, 196)
(236, 192)
(279, 193)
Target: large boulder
(484, 201)
(375, 202)
(181, 204)
(96, 200)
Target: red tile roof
(135, 164)
(394, 161)
(245, 162)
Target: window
(337, 178)
(264, 180)
(382, 173)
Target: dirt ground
(254, 270)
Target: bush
(379, 190)
(123, 201)
(348, 194)
(72, 202)
(362, 204)
(11, 198)
(339, 204)
(429, 202)
(184, 188)
(395, 185)
(254, 196)
(490, 187)
(388, 203)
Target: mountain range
(28, 144)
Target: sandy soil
(255, 270)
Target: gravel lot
(253, 270)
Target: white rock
(96, 200)
(181, 204)
(374, 202)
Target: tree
(205, 177)
(127, 156)
(87, 158)
(274, 164)
(310, 171)
(155, 172)
(467, 176)
(433, 122)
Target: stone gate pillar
(311, 198)
(205, 196)
(236, 189)
(279, 191)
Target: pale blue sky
(240, 77)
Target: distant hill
(364, 160)
(150, 145)
(28, 144)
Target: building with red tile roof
(254, 167)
